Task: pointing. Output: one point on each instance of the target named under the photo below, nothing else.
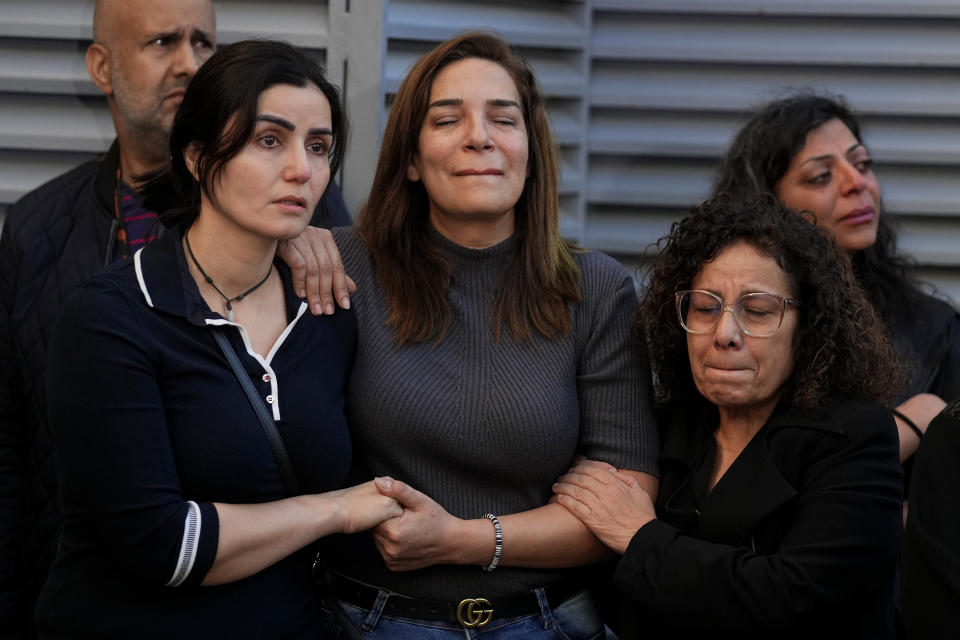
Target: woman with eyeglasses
(779, 506)
(808, 151)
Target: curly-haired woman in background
(779, 506)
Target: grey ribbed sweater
(482, 426)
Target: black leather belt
(469, 612)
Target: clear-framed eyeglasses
(757, 314)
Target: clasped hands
(422, 536)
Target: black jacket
(53, 238)
(926, 333)
(931, 544)
(799, 538)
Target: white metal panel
(55, 123)
(554, 25)
(921, 189)
(44, 66)
(604, 231)
(911, 9)
(641, 181)
(932, 241)
(304, 23)
(660, 133)
(66, 19)
(828, 40)
(20, 170)
(914, 140)
(706, 135)
(560, 71)
(728, 87)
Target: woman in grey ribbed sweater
(490, 354)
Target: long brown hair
(540, 277)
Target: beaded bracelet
(498, 551)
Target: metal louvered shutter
(52, 117)
(644, 95)
(673, 79)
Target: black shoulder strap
(266, 420)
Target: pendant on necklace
(229, 308)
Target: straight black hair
(218, 115)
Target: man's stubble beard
(147, 119)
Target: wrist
(327, 512)
(910, 436)
(622, 540)
(474, 542)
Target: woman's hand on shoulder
(317, 270)
(363, 507)
(611, 503)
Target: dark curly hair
(761, 153)
(840, 346)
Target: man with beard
(143, 55)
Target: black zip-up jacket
(926, 334)
(53, 238)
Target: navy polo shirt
(151, 427)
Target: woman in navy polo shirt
(178, 517)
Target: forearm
(255, 536)
(546, 537)
(920, 410)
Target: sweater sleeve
(613, 379)
(118, 472)
(839, 546)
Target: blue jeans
(576, 618)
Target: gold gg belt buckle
(474, 613)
